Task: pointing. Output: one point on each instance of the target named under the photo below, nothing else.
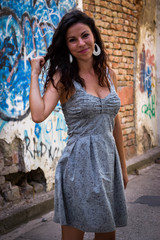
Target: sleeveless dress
(89, 192)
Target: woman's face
(80, 41)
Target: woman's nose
(81, 42)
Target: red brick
(109, 51)
(117, 46)
(116, 1)
(131, 136)
(127, 4)
(106, 11)
(120, 15)
(98, 9)
(97, 2)
(129, 107)
(15, 158)
(115, 65)
(119, 27)
(114, 14)
(109, 45)
(89, 14)
(130, 71)
(126, 95)
(107, 18)
(127, 29)
(127, 131)
(117, 52)
(130, 84)
(91, 8)
(123, 40)
(113, 26)
(127, 119)
(124, 138)
(130, 151)
(122, 71)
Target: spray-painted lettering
(41, 150)
(149, 109)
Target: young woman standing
(91, 174)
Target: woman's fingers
(37, 64)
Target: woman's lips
(84, 50)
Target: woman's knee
(71, 233)
(105, 236)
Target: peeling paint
(146, 85)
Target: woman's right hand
(37, 64)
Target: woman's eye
(85, 35)
(72, 40)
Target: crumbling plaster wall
(26, 29)
(146, 81)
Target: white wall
(146, 80)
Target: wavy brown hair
(58, 54)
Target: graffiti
(149, 109)
(42, 150)
(26, 29)
(2, 124)
(146, 71)
(45, 134)
(48, 128)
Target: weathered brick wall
(117, 21)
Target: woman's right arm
(41, 107)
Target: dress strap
(77, 85)
(110, 79)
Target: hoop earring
(70, 58)
(97, 50)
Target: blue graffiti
(45, 135)
(37, 130)
(146, 74)
(48, 131)
(26, 29)
(2, 124)
(148, 86)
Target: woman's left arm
(117, 133)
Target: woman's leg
(105, 236)
(71, 233)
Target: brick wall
(118, 22)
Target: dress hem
(91, 230)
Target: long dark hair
(58, 53)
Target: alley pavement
(143, 203)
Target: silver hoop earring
(70, 58)
(97, 50)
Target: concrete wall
(26, 29)
(146, 80)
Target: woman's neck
(86, 67)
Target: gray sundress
(89, 192)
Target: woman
(89, 190)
